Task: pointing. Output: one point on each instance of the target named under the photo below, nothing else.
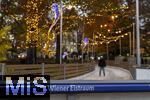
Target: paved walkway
(112, 73)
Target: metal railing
(56, 71)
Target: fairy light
(112, 17)
(116, 16)
(32, 20)
(105, 25)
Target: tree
(97, 13)
(29, 19)
(145, 27)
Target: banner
(99, 88)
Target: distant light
(0, 14)
(96, 36)
(92, 58)
(23, 56)
(127, 54)
(44, 46)
(70, 7)
(108, 30)
(86, 40)
(16, 3)
(119, 31)
(101, 26)
(112, 17)
(105, 25)
(80, 56)
(55, 9)
(71, 43)
(122, 36)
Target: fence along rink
(56, 71)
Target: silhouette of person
(102, 65)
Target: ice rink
(112, 73)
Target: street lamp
(138, 34)
(120, 45)
(133, 38)
(61, 22)
(107, 50)
(93, 46)
(130, 44)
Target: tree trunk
(31, 54)
(58, 50)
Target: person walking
(102, 65)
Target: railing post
(77, 68)
(64, 71)
(3, 70)
(43, 65)
(92, 64)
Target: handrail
(84, 86)
(56, 71)
(98, 81)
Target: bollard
(43, 65)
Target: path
(112, 73)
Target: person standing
(65, 56)
(102, 65)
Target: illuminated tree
(29, 19)
(112, 15)
(5, 43)
(34, 11)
